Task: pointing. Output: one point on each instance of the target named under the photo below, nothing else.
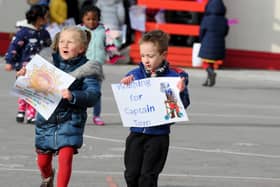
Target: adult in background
(213, 30)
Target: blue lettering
(135, 84)
(142, 123)
(135, 97)
(140, 110)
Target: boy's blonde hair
(84, 36)
(158, 38)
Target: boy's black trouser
(144, 159)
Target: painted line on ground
(235, 115)
(220, 151)
(240, 105)
(119, 173)
(226, 152)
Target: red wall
(5, 39)
(252, 60)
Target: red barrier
(180, 56)
(5, 39)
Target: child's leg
(44, 162)
(21, 110)
(65, 157)
(97, 108)
(31, 112)
(210, 68)
(133, 158)
(156, 149)
(97, 112)
(205, 66)
(21, 105)
(211, 74)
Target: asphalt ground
(231, 140)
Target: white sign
(149, 102)
(196, 60)
(137, 15)
(41, 85)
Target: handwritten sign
(149, 102)
(41, 85)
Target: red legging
(206, 65)
(65, 157)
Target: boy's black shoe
(20, 117)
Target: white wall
(259, 25)
(10, 12)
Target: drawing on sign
(172, 108)
(43, 80)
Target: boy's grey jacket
(89, 68)
(66, 125)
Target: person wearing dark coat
(213, 30)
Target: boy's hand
(127, 80)
(66, 94)
(181, 84)
(21, 72)
(8, 67)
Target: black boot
(207, 81)
(212, 79)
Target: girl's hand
(8, 67)
(66, 94)
(127, 80)
(181, 84)
(21, 72)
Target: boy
(147, 147)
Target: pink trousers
(23, 106)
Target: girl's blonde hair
(84, 36)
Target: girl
(62, 133)
(213, 30)
(96, 51)
(29, 40)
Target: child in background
(62, 133)
(213, 31)
(30, 38)
(113, 17)
(147, 147)
(96, 51)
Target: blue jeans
(97, 107)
